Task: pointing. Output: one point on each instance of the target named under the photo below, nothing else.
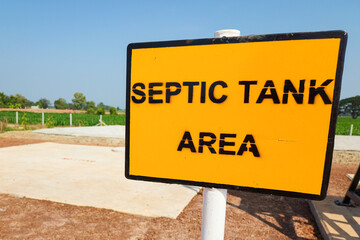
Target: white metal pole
(70, 119)
(213, 214)
(227, 33)
(17, 117)
(43, 118)
(351, 129)
(214, 201)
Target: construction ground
(68, 183)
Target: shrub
(49, 122)
(14, 106)
(90, 111)
(78, 123)
(61, 104)
(113, 111)
(25, 121)
(100, 111)
(3, 124)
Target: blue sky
(52, 49)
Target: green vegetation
(61, 104)
(43, 103)
(350, 106)
(90, 104)
(25, 121)
(90, 111)
(15, 106)
(344, 123)
(100, 111)
(79, 101)
(17, 101)
(3, 124)
(63, 119)
(113, 111)
(82, 119)
(49, 122)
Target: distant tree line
(19, 101)
(350, 106)
(79, 102)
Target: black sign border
(342, 35)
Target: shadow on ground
(338, 222)
(283, 214)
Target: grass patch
(81, 119)
(8, 129)
(63, 119)
(344, 123)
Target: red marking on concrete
(79, 160)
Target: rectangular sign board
(254, 113)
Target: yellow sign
(255, 113)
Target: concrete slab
(116, 131)
(347, 143)
(351, 176)
(336, 222)
(86, 176)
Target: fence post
(43, 119)
(17, 117)
(70, 119)
(351, 129)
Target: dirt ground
(248, 216)
(26, 137)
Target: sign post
(213, 213)
(214, 200)
(255, 113)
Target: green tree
(31, 103)
(101, 105)
(25, 121)
(17, 101)
(23, 101)
(15, 106)
(71, 105)
(61, 104)
(113, 111)
(90, 111)
(38, 103)
(79, 101)
(4, 100)
(350, 106)
(44, 103)
(90, 104)
(100, 111)
(12, 101)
